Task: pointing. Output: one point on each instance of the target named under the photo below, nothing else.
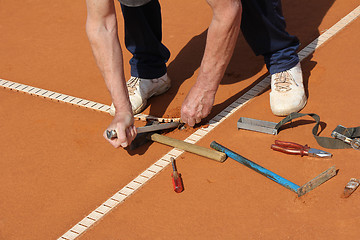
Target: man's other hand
(197, 105)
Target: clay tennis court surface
(56, 168)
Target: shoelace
(132, 84)
(283, 81)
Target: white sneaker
(287, 92)
(140, 90)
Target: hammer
(148, 133)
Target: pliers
(297, 149)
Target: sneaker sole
(297, 109)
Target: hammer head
(144, 137)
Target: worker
(261, 22)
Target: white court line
(164, 161)
(60, 97)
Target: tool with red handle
(176, 178)
(297, 149)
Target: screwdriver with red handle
(176, 178)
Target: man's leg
(143, 36)
(263, 26)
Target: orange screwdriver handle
(177, 182)
(176, 178)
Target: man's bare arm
(101, 28)
(221, 39)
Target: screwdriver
(176, 178)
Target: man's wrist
(122, 108)
(206, 84)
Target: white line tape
(60, 97)
(163, 162)
(54, 95)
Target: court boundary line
(119, 197)
(61, 97)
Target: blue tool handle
(256, 167)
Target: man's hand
(123, 124)
(197, 105)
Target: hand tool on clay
(297, 149)
(176, 178)
(343, 133)
(350, 187)
(199, 150)
(154, 126)
(320, 179)
(274, 128)
(145, 136)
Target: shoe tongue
(131, 85)
(283, 82)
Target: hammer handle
(202, 151)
